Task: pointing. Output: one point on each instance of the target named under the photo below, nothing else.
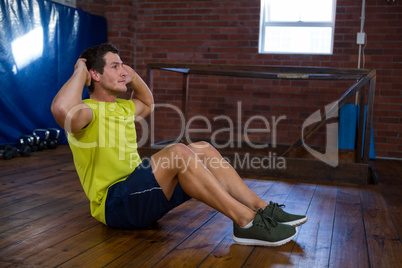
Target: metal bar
(360, 130)
(177, 70)
(185, 88)
(281, 75)
(268, 69)
(150, 83)
(369, 121)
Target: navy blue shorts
(139, 201)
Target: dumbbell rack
(39, 140)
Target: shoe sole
(255, 242)
(296, 222)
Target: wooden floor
(45, 222)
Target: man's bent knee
(203, 148)
(180, 149)
(200, 145)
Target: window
(297, 26)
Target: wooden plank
(5, 264)
(38, 198)
(51, 234)
(389, 172)
(73, 245)
(298, 202)
(54, 206)
(383, 241)
(17, 190)
(155, 248)
(24, 224)
(118, 244)
(348, 237)
(196, 247)
(202, 243)
(29, 174)
(47, 231)
(176, 227)
(313, 243)
(37, 161)
(115, 242)
(229, 254)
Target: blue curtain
(40, 41)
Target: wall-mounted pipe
(362, 21)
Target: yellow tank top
(105, 151)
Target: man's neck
(102, 96)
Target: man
(125, 193)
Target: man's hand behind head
(80, 66)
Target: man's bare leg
(226, 175)
(178, 163)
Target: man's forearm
(69, 96)
(71, 93)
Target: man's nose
(124, 72)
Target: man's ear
(94, 75)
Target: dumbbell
(25, 146)
(35, 142)
(52, 141)
(6, 152)
(43, 135)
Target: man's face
(114, 75)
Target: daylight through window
(297, 26)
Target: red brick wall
(226, 32)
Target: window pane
(283, 10)
(313, 40)
(299, 10)
(316, 10)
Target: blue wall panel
(40, 41)
(348, 124)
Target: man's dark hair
(95, 59)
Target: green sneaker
(276, 212)
(264, 232)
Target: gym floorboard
(45, 222)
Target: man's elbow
(59, 114)
(145, 112)
(148, 110)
